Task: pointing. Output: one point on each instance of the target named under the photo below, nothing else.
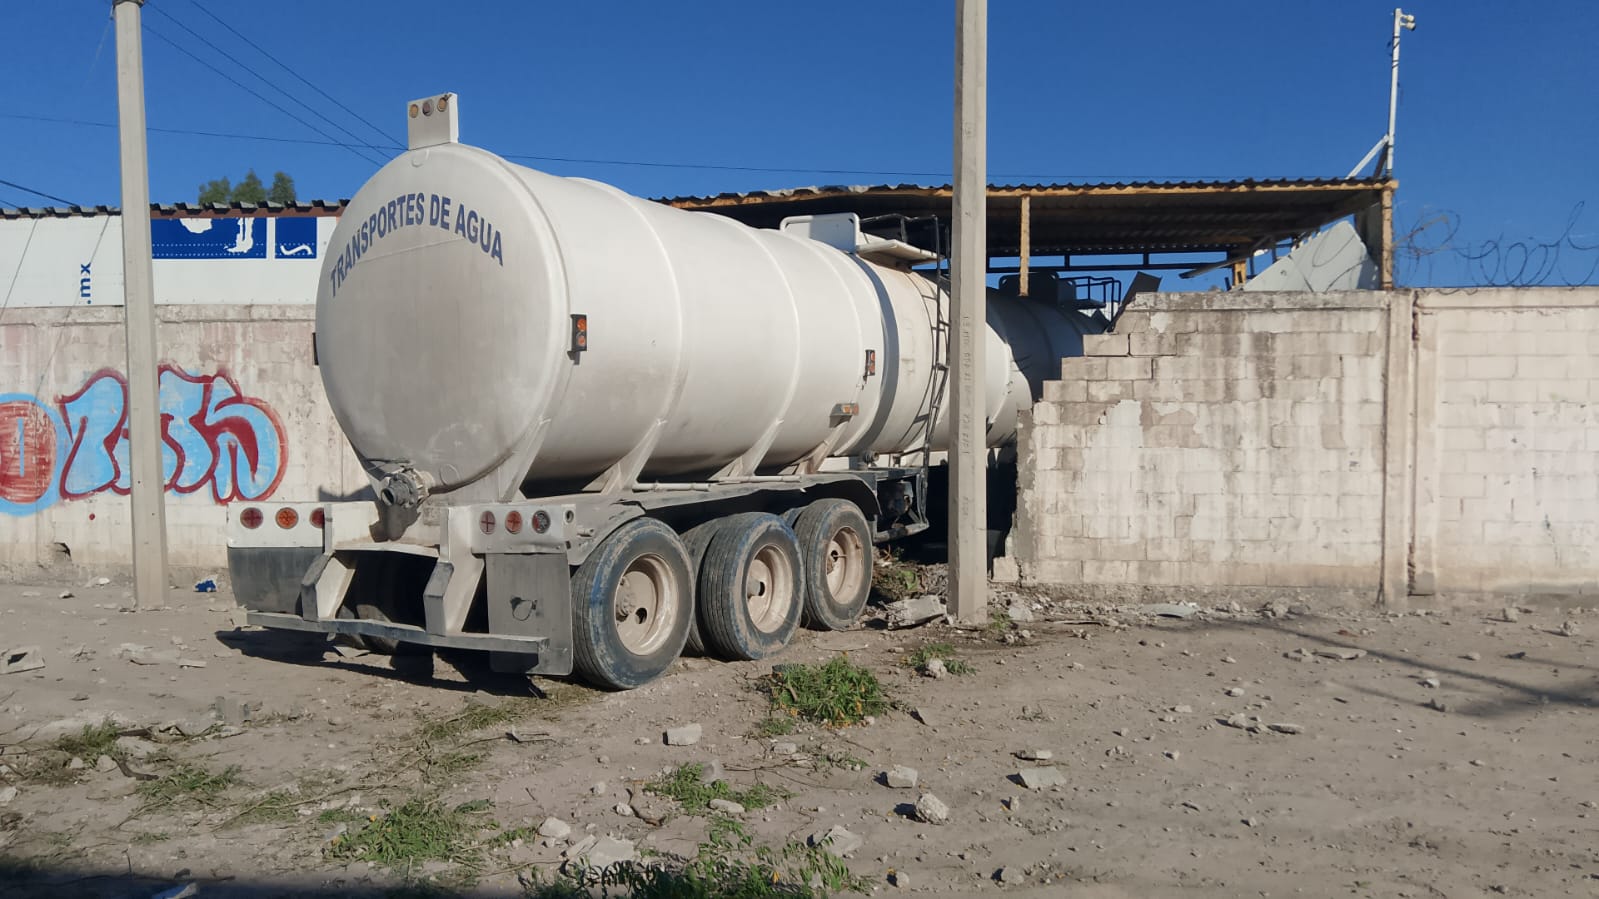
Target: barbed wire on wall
(1433, 252)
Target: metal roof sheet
(183, 210)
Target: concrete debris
(915, 611)
(135, 748)
(1570, 628)
(900, 777)
(923, 715)
(234, 712)
(1010, 874)
(1019, 613)
(1275, 609)
(583, 845)
(1243, 722)
(66, 594)
(1284, 728)
(555, 829)
(1511, 614)
(1174, 754)
(687, 735)
(712, 772)
(608, 851)
(20, 659)
(623, 809)
(726, 807)
(105, 764)
(1299, 655)
(1473, 656)
(1041, 778)
(1432, 682)
(650, 808)
(350, 652)
(931, 810)
(1341, 654)
(195, 727)
(1034, 755)
(1235, 692)
(898, 879)
(7, 794)
(1437, 705)
(144, 655)
(836, 841)
(599, 788)
(1171, 609)
(1251, 822)
(76, 764)
(935, 669)
(785, 748)
(99, 582)
(1183, 709)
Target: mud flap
(267, 578)
(530, 595)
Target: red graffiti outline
(244, 436)
(75, 434)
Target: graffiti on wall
(214, 439)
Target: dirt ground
(1458, 755)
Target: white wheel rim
(646, 605)
(769, 589)
(844, 563)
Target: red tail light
(486, 522)
(318, 517)
(251, 518)
(287, 518)
(513, 522)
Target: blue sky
(1497, 121)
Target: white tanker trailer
(596, 426)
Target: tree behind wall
(248, 190)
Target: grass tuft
(894, 579)
(944, 652)
(774, 726)
(92, 742)
(684, 784)
(839, 693)
(189, 783)
(421, 830)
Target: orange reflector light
(251, 518)
(513, 522)
(287, 518)
(485, 522)
(871, 363)
(318, 517)
(541, 521)
(580, 333)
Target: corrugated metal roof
(1088, 218)
(183, 210)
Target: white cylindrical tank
(445, 336)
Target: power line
(40, 193)
(257, 47)
(258, 95)
(264, 80)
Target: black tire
(695, 541)
(835, 544)
(385, 646)
(751, 587)
(641, 573)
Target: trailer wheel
(751, 587)
(835, 547)
(696, 540)
(631, 604)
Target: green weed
(189, 783)
(999, 624)
(838, 693)
(895, 579)
(91, 743)
(684, 784)
(421, 830)
(774, 726)
(944, 652)
(473, 718)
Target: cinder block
(1110, 391)
(1108, 344)
(1102, 572)
(1082, 368)
(1129, 368)
(1152, 344)
(1073, 391)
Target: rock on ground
(837, 840)
(687, 735)
(931, 810)
(1041, 778)
(900, 777)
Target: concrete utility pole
(144, 405)
(1401, 20)
(968, 457)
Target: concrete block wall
(1387, 445)
(1211, 440)
(1507, 464)
(245, 418)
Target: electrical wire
(280, 64)
(259, 96)
(40, 193)
(264, 80)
